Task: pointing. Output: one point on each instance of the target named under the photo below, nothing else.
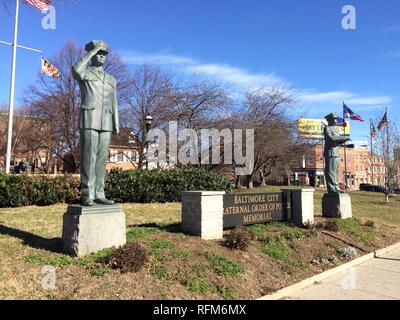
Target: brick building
(361, 167)
(123, 151)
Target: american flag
(384, 122)
(42, 5)
(349, 114)
(373, 131)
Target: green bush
(12, 191)
(160, 186)
(135, 186)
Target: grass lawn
(182, 267)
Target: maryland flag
(49, 69)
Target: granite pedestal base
(88, 230)
(337, 205)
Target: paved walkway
(377, 279)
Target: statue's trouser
(94, 155)
(332, 174)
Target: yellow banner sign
(313, 129)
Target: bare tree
(198, 104)
(388, 146)
(149, 94)
(275, 137)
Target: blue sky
(242, 44)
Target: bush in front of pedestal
(128, 258)
(160, 186)
(135, 186)
(331, 225)
(41, 190)
(44, 191)
(12, 191)
(240, 238)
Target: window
(112, 156)
(120, 157)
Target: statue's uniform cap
(93, 44)
(332, 116)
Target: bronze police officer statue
(333, 141)
(98, 120)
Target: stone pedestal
(302, 207)
(88, 230)
(337, 205)
(203, 214)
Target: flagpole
(345, 152)
(12, 90)
(388, 150)
(372, 156)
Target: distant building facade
(28, 155)
(123, 152)
(362, 167)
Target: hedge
(135, 186)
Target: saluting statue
(333, 140)
(97, 121)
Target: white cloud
(242, 79)
(338, 97)
(234, 75)
(370, 101)
(220, 72)
(137, 58)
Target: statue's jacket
(99, 102)
(333, 140)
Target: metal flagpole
(345, 153)
(12, 91)
(387, 151)
(22, 47)
(372, 156)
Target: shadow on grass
(171, 228)
(34, 241)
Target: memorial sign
(247, 209)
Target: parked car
(363, 185)
(371, 188)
